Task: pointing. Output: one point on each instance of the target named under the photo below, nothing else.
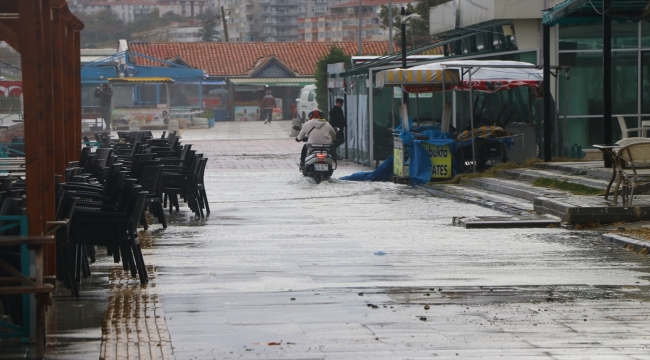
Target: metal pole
(471, 117)
(390, 27)
(360, 18)
(417, 108)
(607, 78)
(405, 99)
(444, 125)
(547, 92)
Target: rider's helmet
(316, 114)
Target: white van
(306, 101)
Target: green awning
(620, 10)
(297, 82)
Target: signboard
(277, 112)
(146, 117)
(440, 160)
(11, 88)
(397, 94)
(247, 113)
(249, 87)
(399, 168)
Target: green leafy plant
(575, 189)
(336, 55)
(208, 114)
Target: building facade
(512, 30)
(131, 10)
(342, 22)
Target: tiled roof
(238, 59)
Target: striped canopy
(487, 76)
(432, 77)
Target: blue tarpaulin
(420, 160)
(382, 173)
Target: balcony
(279, 3)
(267, 12)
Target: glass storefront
(580, 48)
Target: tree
(336, 55)
(102, 29)
(417, 30)
(209, 32)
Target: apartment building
(131, 10)
(270, 20)
(176, 32)
(341, 23)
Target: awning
(205, 82)
(619, 10)
(141, 80)
(297, 82)
(487, 76)
(412, 76)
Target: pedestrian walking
(337, 120)
(267, 105)
(105, 94)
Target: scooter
(319, 162)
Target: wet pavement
(285, 268)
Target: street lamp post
(405, 99)
(404, 19)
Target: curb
(624, 241)
(480, 202)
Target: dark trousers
(106, 114)
(267, 114)
(303, 153)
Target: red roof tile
(238, 59)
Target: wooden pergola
(47, 36)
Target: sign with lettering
(146, 117)
(440, 160)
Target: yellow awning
(141, 79)
(398, 77)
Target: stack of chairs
(103, 197)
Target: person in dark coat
(105, 94)
(337, 120)
(267, 105)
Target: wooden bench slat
(26, 240)
(15, 290)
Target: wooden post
(48, 126)
(59, 87)
(32, 63)
(76, 77)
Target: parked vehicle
(307, 101)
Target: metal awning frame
(465, 69)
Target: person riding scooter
(317, 131)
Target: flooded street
(285, 268)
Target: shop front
(248, 92)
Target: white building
(131, 10)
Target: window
(250, 38)
(321, 24)
(307, 25)
(328, 34)
(311, 97)
(375, 21)
(321, 35)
